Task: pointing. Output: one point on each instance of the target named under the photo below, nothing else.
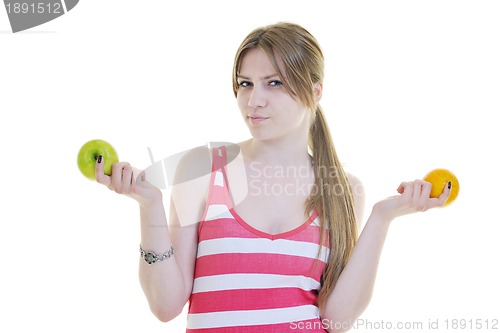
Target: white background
(410, 86)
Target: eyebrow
(267, 77)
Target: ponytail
(334, 202)
(302, 67)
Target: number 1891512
(32, 8)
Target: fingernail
(99, 159)
(449, 185)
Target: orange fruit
(439, 178)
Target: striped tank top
(247, 280)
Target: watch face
(149, 257)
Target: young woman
(277, 250)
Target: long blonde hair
(303, 67)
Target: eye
(244, 84)
(275, 83)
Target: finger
(407, 194)
(139, 181)
(445, 195)
(138, 178)
(441, 200)
(401, 188)
(116, 176)
(417, 191)
(126, 178)
(100, 177)
(425, 195)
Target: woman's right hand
(128, 181)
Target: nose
(257, 98)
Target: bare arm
(354, 288)
(166, 284)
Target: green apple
(89, 153)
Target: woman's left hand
(413, 197)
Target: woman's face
(268, 109)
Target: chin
(261, 135)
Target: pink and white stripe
(250, 281)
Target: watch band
(151, 257)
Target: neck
(275, 152)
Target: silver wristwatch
(151, 257)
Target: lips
(256, 118)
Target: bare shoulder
(192, 164)
(197, 162)
(356, 185)
(190, 185)
(191, 180)
(358, 192)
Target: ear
(318, 91)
